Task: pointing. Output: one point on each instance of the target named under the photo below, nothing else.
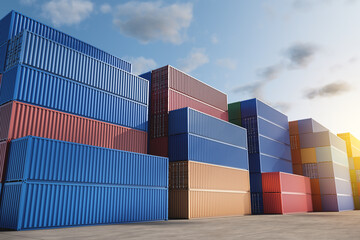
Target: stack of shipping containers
(268, 143)
(172, 89)
(321, 155)
(57, 87)
(353, 153)
(208, 166)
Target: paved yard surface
(308, 226)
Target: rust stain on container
(20, 119)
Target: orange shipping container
(316, 202)
(187, 204)
(293, 128)
(315, 186)
(297, 169)
(308, 155)
(195, 175)
(296, 156)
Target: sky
(300, 56)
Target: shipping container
(34, 158)
(333, 170)
(255, 182)
(3, 50)
(264, 163)
(234, 110)
(310, 170)
(284, 203)
(335, 203)
(308, 155)
(277, 182)
(257, 206)
(187, 120)
(316, 201)
(322, 139)
(298, 169)
(185, 204)
(293, 128)
(14, 23)
(335, 186)
(21, 119)
(191, 147)
(330, 153)
(315, 186)
(40, 204)
(310, 126)
(254, 107)
(159, 146)
(169, 77)
(3, 157)
(188, 175)
(37, 87)
(41, 53)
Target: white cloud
(141, 65)
(214, 39)
(148, 21)
(105, 8)
(67, 12)
(27, 2)
(196, 58)
(228, 63)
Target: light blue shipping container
(30, 85)
(41, 204)
(34, 50)
(34, 158)
(183, 147)
(14, 23)
(187, 120)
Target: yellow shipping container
(308, 155)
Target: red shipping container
(170, 77)
(278, 182)
(19, 119)
(282, 203)
(286, 193)
(3, 151)
(159, 146)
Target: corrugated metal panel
(275, 149)
(33, 158)
(297, 169)
(271, 182)
(310, 126)
(47, 90)
(255, 182)
(255, 107)
(203, 204)
(315, 186)
(41, 53)
(308, 155)
(20, 120)
(345, 203)
(188, 175)
(178, 100)
(321, 139)
(14, 23)
(334, 186)
(310, 170)
(3, 49)
(263, 163)
(295, 142)
(234, 110)
(257, 206)
(293, 128)
(187, 120)
(283, 203)
(159, 146)
(331, 170)
(296, 156)
(276, 182)
(49, 204)
(195, 148)
(190, 86)
(316, 201)
(272, 131)
(328, 154)
(3, 153)
(335, 203)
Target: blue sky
(301, 56)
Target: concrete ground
(308, 226)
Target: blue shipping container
(260, 163)
(183, 147)
(187, 120)
(37, 87)
(34, 158)
(255, 182)
(39, 204)
(36, 51)
(257, 204)
(3, 49)
(14, 23)
(255, 107)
